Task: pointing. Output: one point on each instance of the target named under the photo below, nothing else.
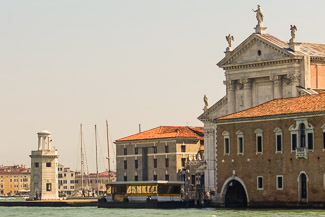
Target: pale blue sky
(67, 62)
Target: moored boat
(143, 194)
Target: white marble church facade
(259, 69)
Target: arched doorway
(303, 188)
(235, 195)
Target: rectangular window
(240, 145)
(279, 143)
(136, 150)
(71, 181)
(136, 164)
(259, 144)
(183, 162)
(167, 177)
(48, 164)
(155, 177)
(227, 148)
(293, 142)
(65, 181)
(260, 183)
(125, 151)
(125, 178)
(193, 179)
(183, 148)
(155, 163)
(125, 164)
(60, 175)
(48, 186)
(36, 164)
(166, 149)
(279, 182)
(310, 141)
(135, 178)
(155, 149)
(167, 162)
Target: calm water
(94, 212)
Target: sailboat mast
(96, 161)
(109, 163)
(82, 162)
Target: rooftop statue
(293, 30)
(206, 106)
(229, 38)
(259, 15)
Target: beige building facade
(66, 181)
(14, 180)
(157, 154)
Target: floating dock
(52, 203)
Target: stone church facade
(260, 69)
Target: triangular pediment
(257, 48)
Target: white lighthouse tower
(44, 169)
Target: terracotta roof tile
(302, 104)
(166, 132)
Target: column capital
(276, 79)
(230, 84)
(292, 78)
(246, 83)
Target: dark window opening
(48, 164)
(193, 179)
(310, 141)
(183, 162)
(136, 164)
(136, 178)
(155, 163)
(125, 164)
(36, 164)
(278, 143)
(155, 177)
(136, 151)
(167, 177)
(166, 149)
(294, 142)
(155, 149)
(280, 184)
(125, 151)
(240, 145)
(125, 178)
(260, 182)
(183, 148)
(227, 146)
(259, 144)
(167, 162)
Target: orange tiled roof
(302, 104)
(166, 132)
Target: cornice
(269, 117)
(263, 63)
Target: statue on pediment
(259, 15)
(229, 38)
(293, 30)
(206, 106)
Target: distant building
(66, 181)
(90, 185)
(157, 154)
(44, 169)
(273, 154)
(14, 180)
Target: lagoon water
(95, 212)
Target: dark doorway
(235, 195)
(303, 187)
